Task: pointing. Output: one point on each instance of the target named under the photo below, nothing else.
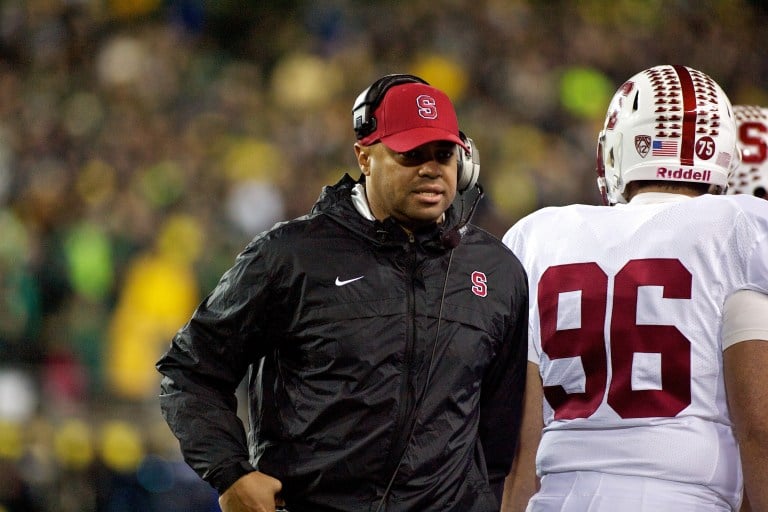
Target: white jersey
(625, 325)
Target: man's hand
(253, 492)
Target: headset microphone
(452, 237)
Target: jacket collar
(338, 202)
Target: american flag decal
(724, 159)
(664, 148)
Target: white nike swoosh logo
(342, 283)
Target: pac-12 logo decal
(643, 144)
(479, 284)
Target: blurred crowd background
(144, 142)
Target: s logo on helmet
(479, 284)
(427, 106)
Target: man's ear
(363, 154)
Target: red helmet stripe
(690, 113)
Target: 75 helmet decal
(705, 147)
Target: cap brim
(409, 139)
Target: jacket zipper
(401, 435)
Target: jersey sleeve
(745, 317)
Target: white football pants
(586, 491)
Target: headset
(364, 123)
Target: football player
(648, 318)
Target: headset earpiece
(363, 121)
(468, 163)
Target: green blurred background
(144, 142)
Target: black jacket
(356, 335)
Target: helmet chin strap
(602, 186)
(602, 182)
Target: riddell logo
(683, 174)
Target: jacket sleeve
(207, 359)
(503, 388)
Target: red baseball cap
(413, 114)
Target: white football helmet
(751, 176)
(667, 123)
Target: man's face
(414, 187)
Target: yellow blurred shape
(443, 73)
(303, 81)
(159, 289)
(252, 158)
(158, 296)
(180, 238)
(11, 441)
(121, 446)
(72, 444)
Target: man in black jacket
(384, 337)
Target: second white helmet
(666, 123)
(751, 176)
